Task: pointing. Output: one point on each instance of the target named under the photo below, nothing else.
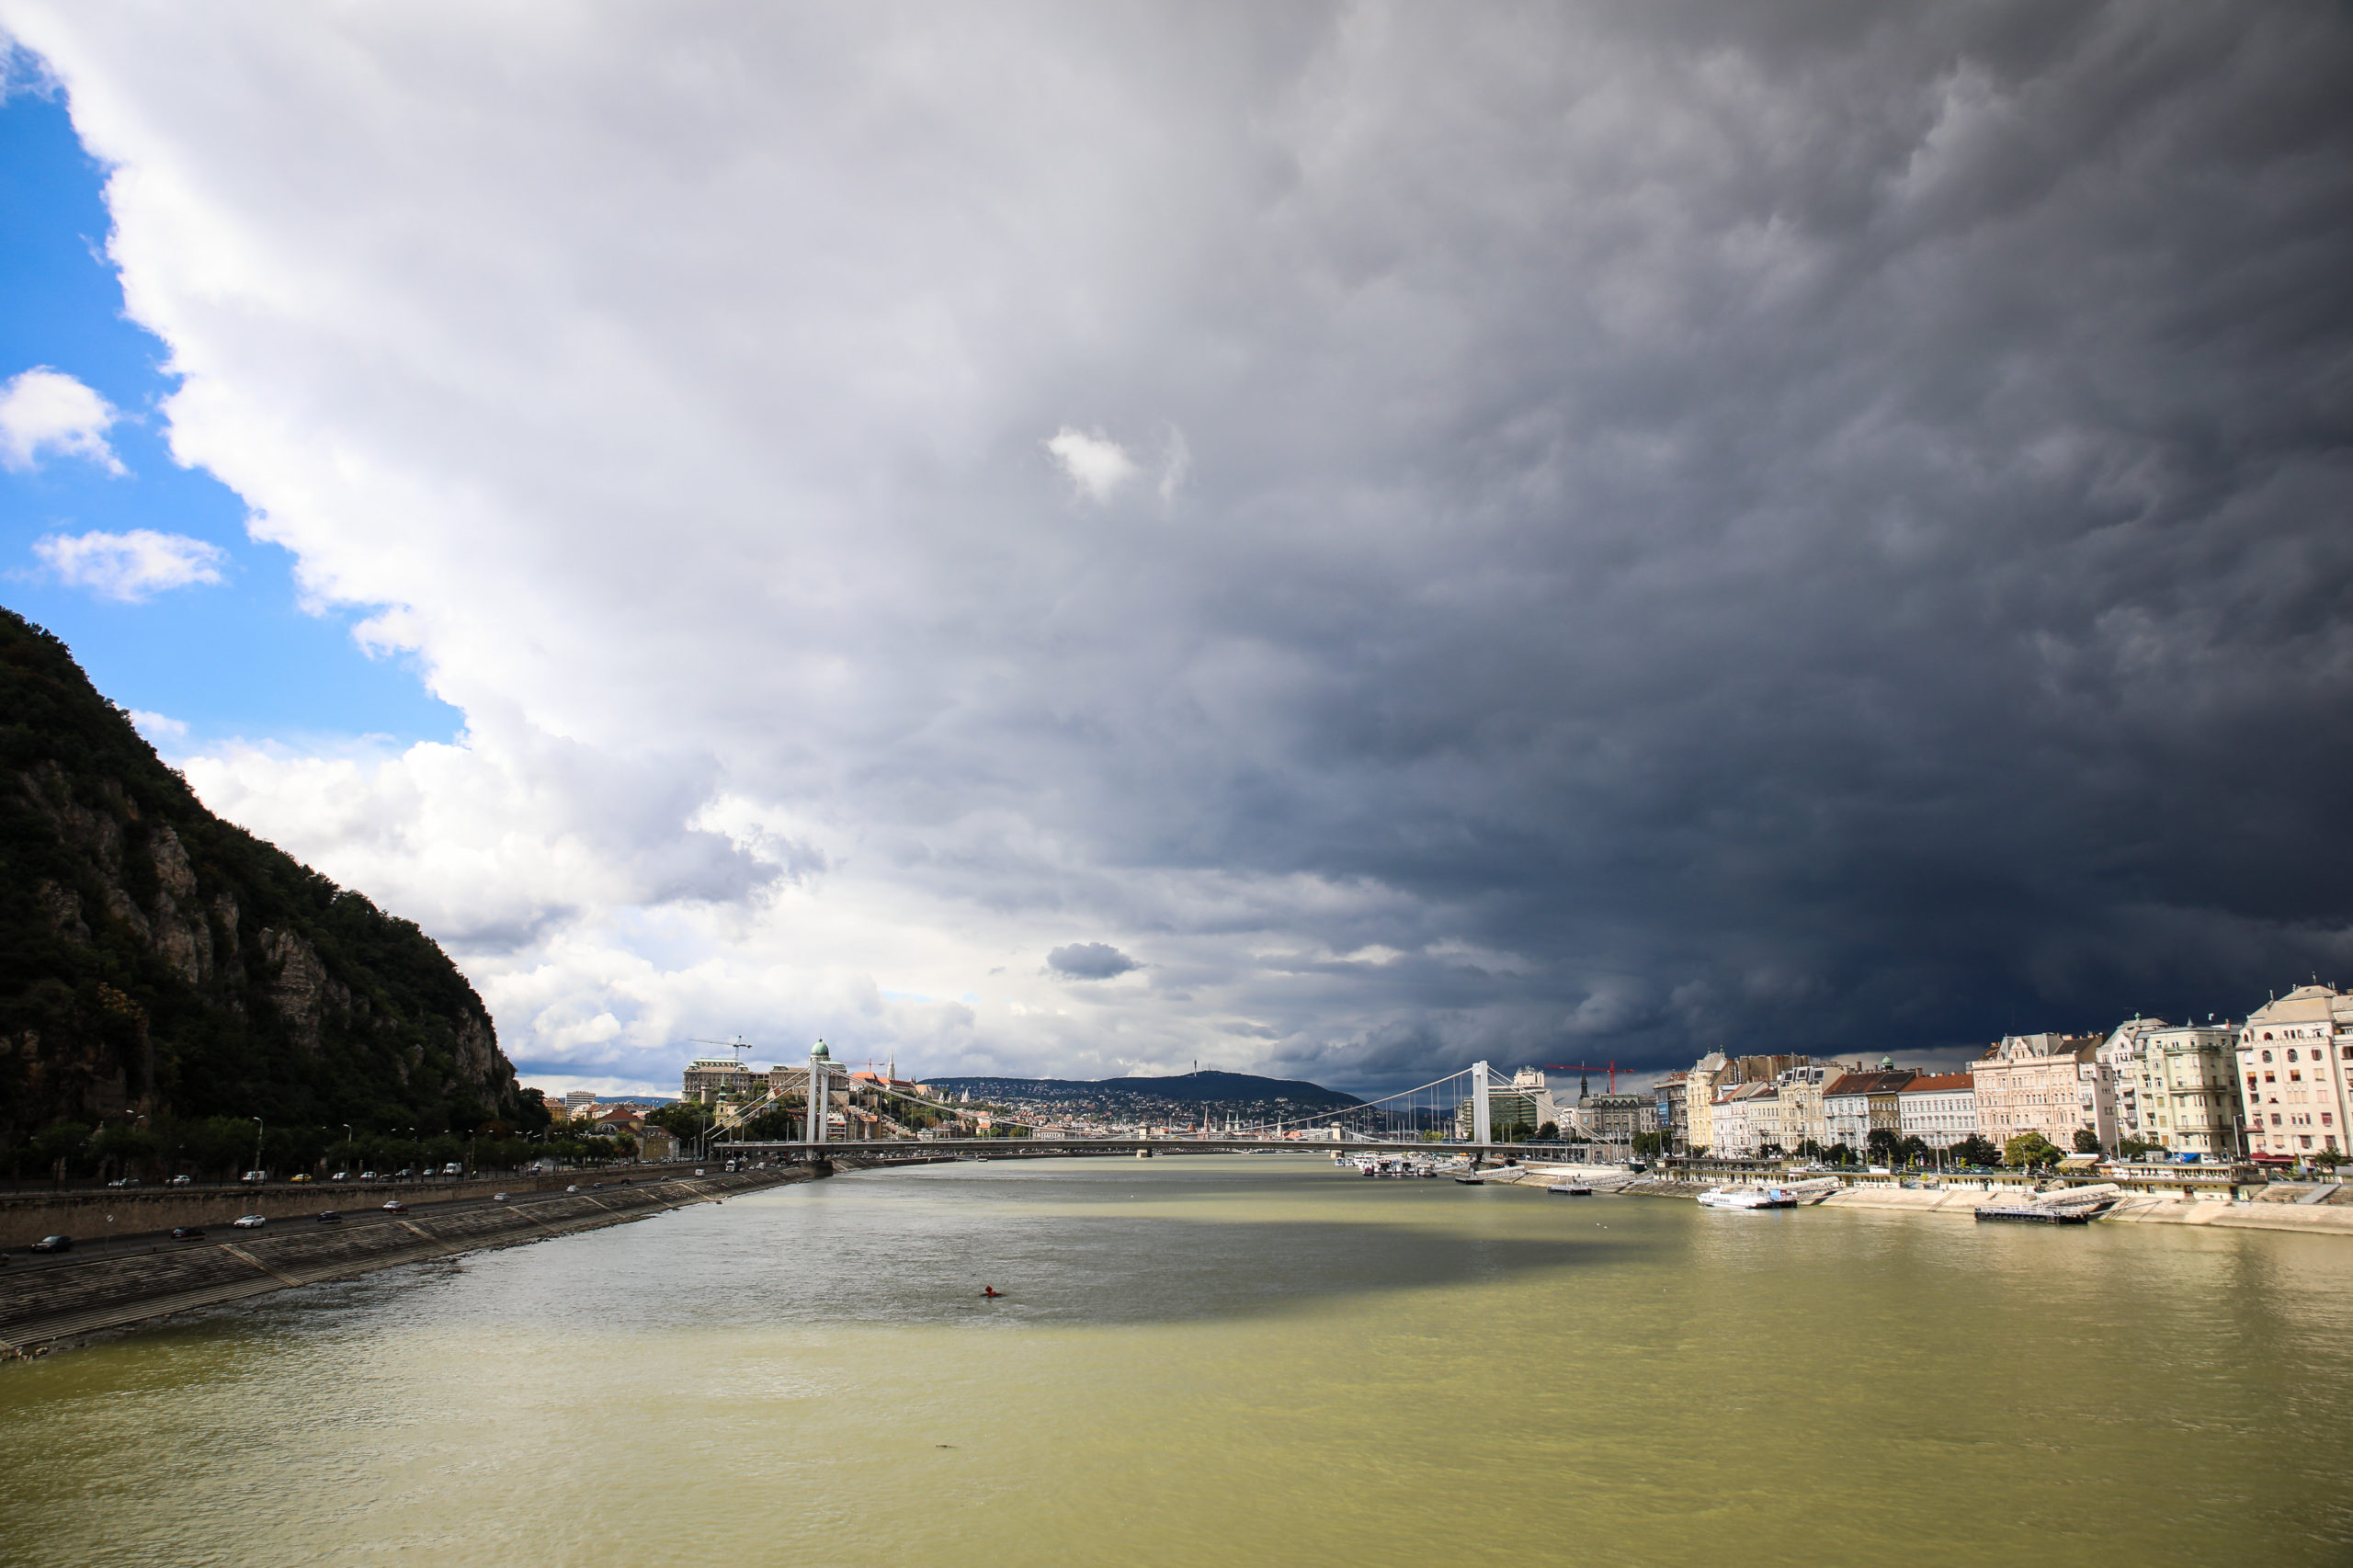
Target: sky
(1336, 541)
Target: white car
(498, 1197)
(250, 1221)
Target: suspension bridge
(1475, 1112)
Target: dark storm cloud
(1090, 961)
(1855, 559)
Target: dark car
(187, 1233)
(53, 1243)
(329, 1217)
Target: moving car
(498, 1197)
(53, 1243)
(250, 1221)
(187, 1233)
(183, 1181)
(329, 1217)
(394, 1206)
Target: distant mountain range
(1185, 1094)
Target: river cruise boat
(1748, 1198)
(1570, 1190)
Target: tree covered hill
(157, 962)
(1187, 1095)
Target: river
(1227, 1360)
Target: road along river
(1226, 1360)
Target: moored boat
(1748, 1198)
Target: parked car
(255, 1175)
(329, 1217)
(405, 1171)
(53, 1243)
(183, 1181)
(498, 1197)
(369, 1176)
(812, 1072)
(453, 1168)
(340, 1175)
(250, 1221)
(394, 1206)
(119, 1181)
(187, 1233)
(304, 1177)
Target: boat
(1748, 1198)
(2035, 1214)
(1574, 1189)
(1470, 1181)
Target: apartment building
(2184, 1092)
(2051, 1083)
(1745, 1119)
(2295, 1069)
(2124, 1055)
(1855, 1104)
(1939, 1108)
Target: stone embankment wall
(27, 1217)
(46, 1304)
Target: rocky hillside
(157, 960)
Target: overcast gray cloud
(1460, 530)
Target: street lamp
(258, 1132)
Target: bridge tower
(1482, 1126)
(820, 1060)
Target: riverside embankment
(88, 1215)
(51, 1302)
(2279, 1207)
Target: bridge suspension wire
(1427, 1112)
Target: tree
(1548, 1133)
(1839, 1155)
(2133, 1148)
(1884, 1145)
(2030, 1149)
(1913, 1150)
(2086, 1141)
(1976, 1150)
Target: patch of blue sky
(235, 657)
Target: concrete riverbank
(48, 1304)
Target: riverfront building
(2051, 1083)
(1856, 1105)
(1745, 1119)
(2183, 1090)
(1672, 1117)
(2295, 1068)
(1939, 1108)
(2121, 1055)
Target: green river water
(1227, 1360)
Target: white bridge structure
(1454, 1115)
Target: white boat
(1573, 1189)
(1748, 1198)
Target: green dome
(821, 1053)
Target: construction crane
(739, 1044)
(1582, 1067)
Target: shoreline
(55, 1306)
(2133, 1209)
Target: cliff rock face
(155, 958)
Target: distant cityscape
(2275, 1088)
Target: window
(2291, 1053)
(2267, 1055)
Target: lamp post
(258, 1132)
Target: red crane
(1581, 1067)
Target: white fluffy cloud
(45, 413)
(131, 566)
(1097, 465)
(1655, 481)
